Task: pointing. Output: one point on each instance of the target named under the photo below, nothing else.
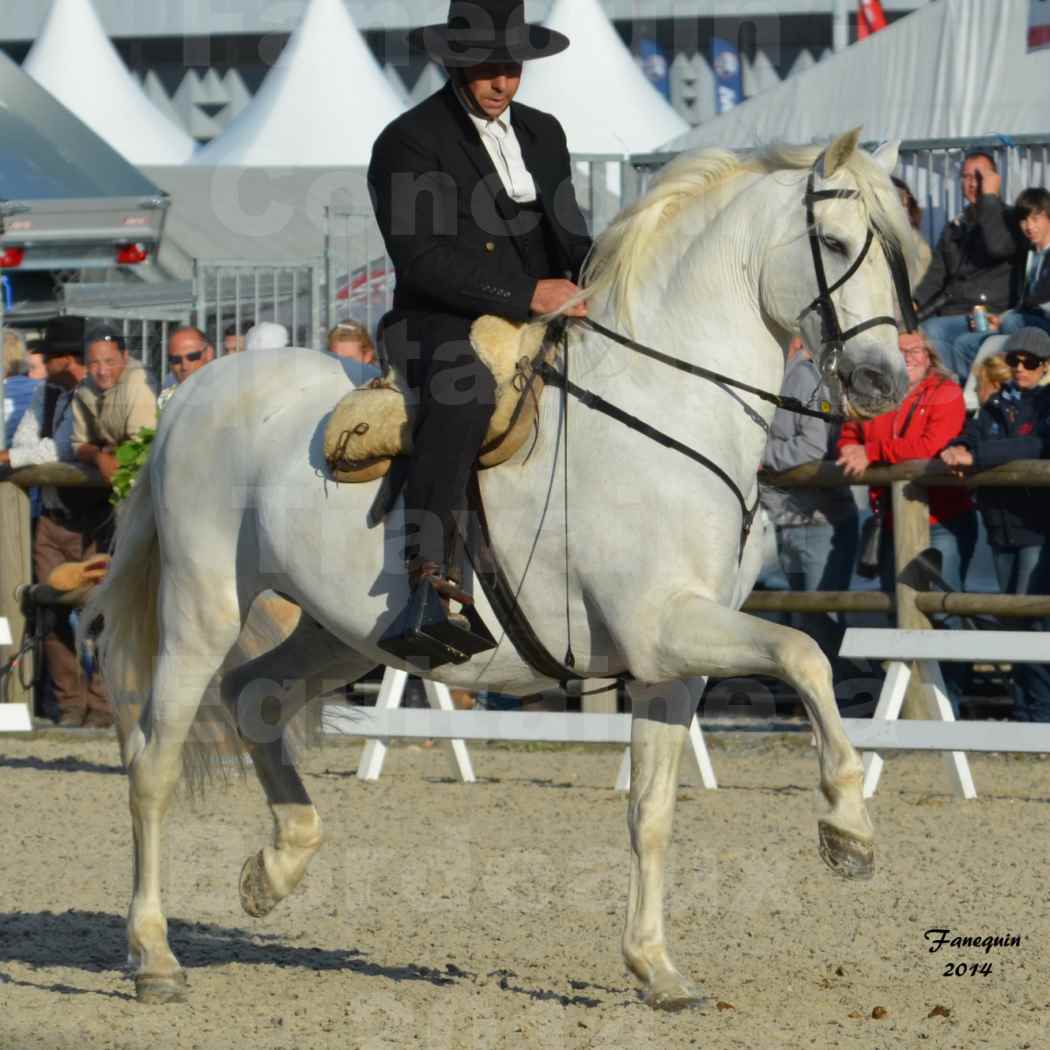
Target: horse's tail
(126, 602)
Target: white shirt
(504, 148)
(29, 448)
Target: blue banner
(653, 60)
(729, 85)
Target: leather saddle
(373, 425)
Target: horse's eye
(833, 244)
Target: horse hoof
(257, 896)
(156, 991)
(846, 855)
(673, 997)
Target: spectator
(19, 386)
(112, 405)
(233, 340)
(266, 335)
(1030, 310)
(929, 419)
(816, 529)
(351, 340)
(977, 259)
(37, 369)
(1015, 424)
(74, 523)
(919, 257)
(989, 377)
(188, 351)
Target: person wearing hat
(73, 523)
(1015, 424)
(473, 194)
(113, 405)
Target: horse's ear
(887, 155)
(837, 153)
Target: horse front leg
(659, 726)
(700, 637)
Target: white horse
(714, 266)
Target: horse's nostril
(871, 382)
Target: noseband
(832, 337)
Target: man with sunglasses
(1015, 424)
(188, 352)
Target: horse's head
(837, 275)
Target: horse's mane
(621, 254)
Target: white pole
(840, 25)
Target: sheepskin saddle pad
(373, 424)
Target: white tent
(955, 69)
(75, 61)
(322, 104)
(394, 80)
(804, 61)
(430, 80)
(763, 75)
(239, 95)
(596, 89)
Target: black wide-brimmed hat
(480, 31)
(62, 336)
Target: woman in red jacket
(928, 420)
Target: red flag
(870, 18)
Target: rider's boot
(445, 580)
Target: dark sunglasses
(1028, 361)
(195, 356)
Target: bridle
(832, 337)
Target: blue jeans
(956, 541)
(819, 558)
(965, 348)
(943, 332)
(1026, 570)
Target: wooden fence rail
(909, 482)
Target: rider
(473, 195)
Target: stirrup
(424, 635)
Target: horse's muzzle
(869, 391)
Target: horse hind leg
(315, 662)
(193, 644)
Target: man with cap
(74, 523)
(1015, 424)
(473, 194)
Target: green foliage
(131, 458)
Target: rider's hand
(994, 320)
(552, 294)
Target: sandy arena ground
(453, 917)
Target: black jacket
(1031, 301)
(1012, 424)
(448, 224)
(980, 252)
